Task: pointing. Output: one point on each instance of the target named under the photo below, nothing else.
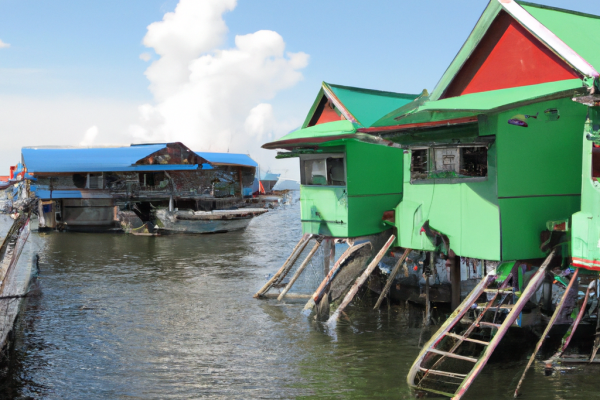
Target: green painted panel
(373, 169)
(466, 212)
(324, 210)
(579, 31)
(545, 157)
(523, 219)
(366, 212)
(585, 225)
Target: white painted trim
(548, 38)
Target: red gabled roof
(508, 56)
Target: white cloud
(4, 45)
(90, 136)
(215, 99)
(30, 121)
(145, 56)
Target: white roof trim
(547, 37)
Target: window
(449, 162)
(323, 170)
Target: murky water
(125, 317)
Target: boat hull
(208, 222)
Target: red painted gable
(508, 56)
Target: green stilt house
(499, 165)
(345, 186)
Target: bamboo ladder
(422, 378)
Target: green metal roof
(362, 106)
(322, 130)
(479, 103)
(579, 31)
(369, 105)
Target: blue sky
(87, 54)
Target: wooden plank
(551, 323)
(361, 279)
(444, 373)
(489, 324)
(466, 339)
(498, 290)
(391, 278)
(452, 355)
(300, 270)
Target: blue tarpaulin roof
(228, 159)
(99, 159)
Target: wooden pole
(575, 323)
(454, 279)
(286, 265)
(299, 270)
(361, 279)
(551, 323)
(326, 255)
(391, 278)
(597, 338)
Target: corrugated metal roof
(228, 159)
(98, 159)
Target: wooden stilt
(454, 279)
(391, 278)
(574, 325)
(597, 338)
(327, 244)
(299, 270)
(427, 321)
(361, 279)
(557, 311)
(287, 265)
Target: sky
(217, 75)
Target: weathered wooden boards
(390, 280)
(361, 279)
(15, 277)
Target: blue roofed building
(106, 188)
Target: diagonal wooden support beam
(551, 323)
(361, 279)
(299, 270)
(287, 265)
(390, 280)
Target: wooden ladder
(426, 374)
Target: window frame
(325, 156)
(431, 158)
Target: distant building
(100, 188)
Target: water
(126, 317)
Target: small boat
(216, 221)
